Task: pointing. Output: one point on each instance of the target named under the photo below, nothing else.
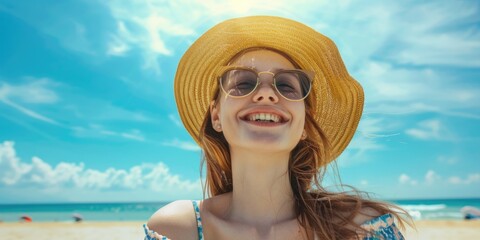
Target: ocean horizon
(420, 209)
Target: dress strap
(196, 207)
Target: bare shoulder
(175, 220)
(366, 214)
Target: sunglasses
(291, 84)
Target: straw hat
(337, 99)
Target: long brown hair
(330, 214)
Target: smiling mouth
(264, 119)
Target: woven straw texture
(336, 97)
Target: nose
(265, 91)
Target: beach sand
(71, 231)
(427, 230)
(444, 230)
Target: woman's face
(245, 121)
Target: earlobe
(214, 111)
(304, 135)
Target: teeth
(264, 117)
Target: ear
(214, 115)
(304, 135)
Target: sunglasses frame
(308, 74)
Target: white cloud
(455, 180)
(375, 128)
(396, 53)
(158, 27)
(97, 130)
(155, 177)
(423, 34)
(431, 129)
(117, 47)
(119, 42)
(369, 129)
(26, 96)
(429, 38)
(371, 135)
(431, 177)
(10, 166)
(71, 33)
(190, 146)
(29, 112)
(470, 179)
(33, 91)
(134, 134)
(175, 120)
(394, 90)
(62, 24)
(148, 26)
(405, 179)
(473, 178)
(448, 160)
(100, 110)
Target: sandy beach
(438, 229)
(71, 231)
(444, 230)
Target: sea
(431, 209)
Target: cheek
(228, 112)
(300, 113)
(301, 123)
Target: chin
(267, 145)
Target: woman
(270, 103)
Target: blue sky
(87, 111)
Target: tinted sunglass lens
(293, 85)
(239, 82)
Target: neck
(262, 194)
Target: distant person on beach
(77, 217)
(271, 104)
(25, 218)
(470, 213)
